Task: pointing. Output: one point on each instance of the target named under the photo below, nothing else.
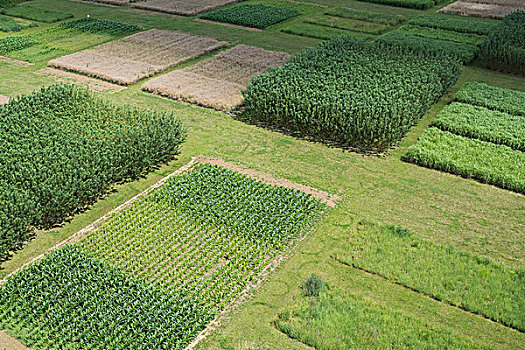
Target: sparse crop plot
(81, 145)
(217, 82)
(252, 15)
(453, 24)
(416, 4)
(373, 17)
(8, 24)
(497, 9)
(314, 31)
(139, 56)
(183, 7)
(348, 24)
(36, 14)
(441, 34)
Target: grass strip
(314, 31)
(36, 14)
(8, 24)
(348, 24)
(483, 124)
(337, 321)
(380, 18)
(486, 162)
(492, 97)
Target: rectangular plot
(183, 7)
(138, 56)
(486, 9)
(217, 82)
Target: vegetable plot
(62, 147)
(36, 14)
(252, 15)
(491, 97)
(206, 233)
(70, 300)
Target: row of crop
(465, 52)
(14, 43)
(72, 300)
(504, 47)
(314, 31)
(468, 281)
(491, 97)
(486, 162)
(483, 124)
(357, 94)
(415, 4)
(36, 14)
(452, 24)
(62, 147)
(252, 15)
(8, 24)
(348, 24)
(373, 17)
(101, 26)
(441, 34)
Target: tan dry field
(138, 56)
(496, 9)
(217, 82)
(183, 7)
(4, 99)
(72, 78)
(10, 343)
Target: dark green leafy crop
(252, 15)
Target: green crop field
(366, 194)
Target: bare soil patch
(15, 61)
(138, 56)
(183, 7)
(91, 83)
(231, 25)
(217, 82)
(496, 9)
(3, 101)
(10, 343)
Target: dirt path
(10, 343)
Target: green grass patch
(348, 24)
(414, 4)
(492, 97)
(442, 34)
(486, 162)
(465, 280)
(504, 47)
(252, 15)
(337, 321)
(314, 31)
(81, 146)
(354, 93)
(36, 14)
(453, 24)
(483, 124)
(465, 52)
(373, 17)
(101, 26)
(8, 24)
(14, 43)
(72, 300)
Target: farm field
(182, 7)
(398, 256)
(217, 81)
(484, 8)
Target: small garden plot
(81, 145)
(491, 97)
(71, 300)
(504, 47)
(486, 162)
(8, 24)
(139, 56)
(465, 52)
(415, 4)
(373, 17)
(314, 31)
(65, 37)
(497, 9)
(348, 24)
(110, 2)
(442, 34)
(183, 7)
(252, 15)
(217, 82)
(468, 281)
(36, 14)
(453, 24)
(330, 318)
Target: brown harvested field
(138, 56)
(217, 82)
(497, 9)
(4, 99)
(10, 343)
(72, 78)
(183, 7)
